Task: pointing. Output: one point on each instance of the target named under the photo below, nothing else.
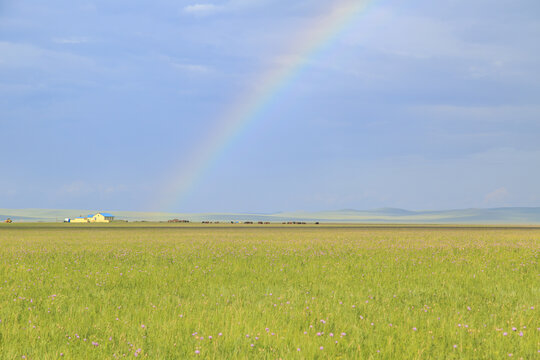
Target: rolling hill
(510, 215)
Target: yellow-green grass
(223, 292)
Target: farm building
(99, 217)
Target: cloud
(202, 9)
(496, 196)
(423, 37)
(187, 67)
(499, 113)
(20, 55)
(192, 68)
(70, 40)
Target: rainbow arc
(307, 44)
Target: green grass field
(292, 292)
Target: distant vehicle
(8, 221)
(67, 220)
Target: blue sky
(422, 105)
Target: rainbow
(307, 44)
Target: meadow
(165, 291)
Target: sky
(121, 105)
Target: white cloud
(503, 114)
(185, 66)
(20, 55)
(192, 68)
(202, 9)
(421, 37)
(70, 40)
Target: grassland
(294, 292)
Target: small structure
(99, 218)
(8, 221)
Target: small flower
(297, 349)
(321, 348)
(95, 343)
(343, 334)
(521, 333)
(415, 329)
(220, 334)
(505, 333)
(331, 335)
(143, 326)
(455, 346)
(252, 345)
(197, 352)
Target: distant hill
(510, 215)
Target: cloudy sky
(417, 105)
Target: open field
(165, 291)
